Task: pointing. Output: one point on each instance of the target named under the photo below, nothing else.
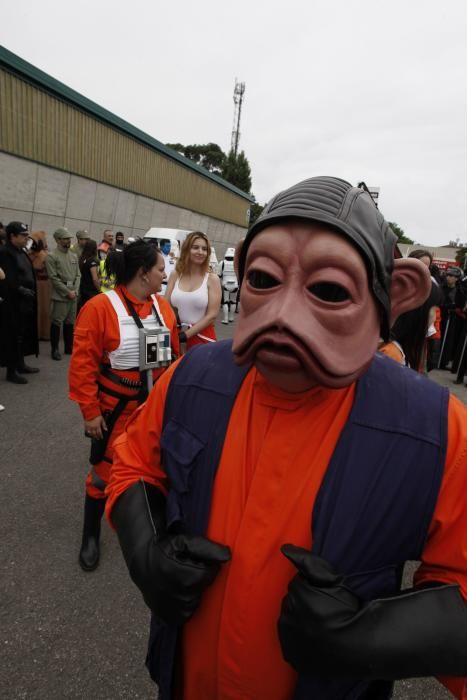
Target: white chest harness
(127, 355)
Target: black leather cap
(16, 228)
(346, 209)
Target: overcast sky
(370, 90)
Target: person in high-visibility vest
(107, 279)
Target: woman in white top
(194, 291)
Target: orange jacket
(276, 452)
(96, 334)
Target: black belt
(121, 381)
(118, 395)
(99, 447)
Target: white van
(175, 235)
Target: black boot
(23, 368)
(68, 338)
(13, 376)
(54, 341)
(89, 552)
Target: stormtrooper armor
(229, 285)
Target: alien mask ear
(410, 286)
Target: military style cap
(348, 210)
(61, 233)
(454, 271)
(80, 235)
(16, 228)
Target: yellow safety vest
(107, 281)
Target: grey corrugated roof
(17, 65)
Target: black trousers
(15, 340)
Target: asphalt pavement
(66, 633)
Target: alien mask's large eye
(262, 280)
(329, 291)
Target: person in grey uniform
(64, 275)
(82, 237)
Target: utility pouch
(154, 348)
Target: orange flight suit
(96, 334)
(276, 452)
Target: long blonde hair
(183, 263)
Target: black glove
(317, 604)
(26, 292)
(324, 628)
(182, 337)
(171, 571)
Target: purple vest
(373, 508)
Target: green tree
(401, 237)
(237, 171)
(461, 256)
(209, 156)
(233, 168)
(255, 211)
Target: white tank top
(126, 355)
(192, 306)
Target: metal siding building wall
(43, 128)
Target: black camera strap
(135, 316)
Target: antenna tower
(239, 90)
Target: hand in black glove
(182, 337)
(174, 573)
(171, 571)
(324, 628)
(26, 292)
(315, 608)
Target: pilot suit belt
(139, 394)
(122, 380)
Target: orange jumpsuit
(276, 452)
(96, 334)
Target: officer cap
(454, 271)
(83, 234)
(16, 228)
(61, 233)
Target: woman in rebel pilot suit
(105, 379)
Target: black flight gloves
(171, 571)
(324, 628)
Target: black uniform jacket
(10, 308)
